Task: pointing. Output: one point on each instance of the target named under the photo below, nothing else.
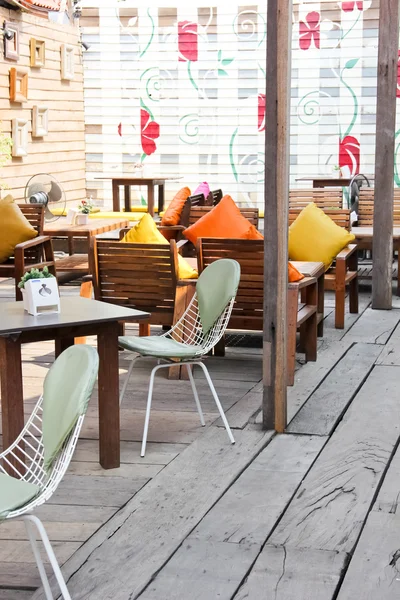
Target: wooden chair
(344, 272)
(366, 207)
(141, 276)
(247, 313)
(324, 198)
(36, 253)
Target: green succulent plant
(34, 274)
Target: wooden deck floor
(308, 515)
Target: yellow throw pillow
(315, 237)
(14, 228)
(146, 232)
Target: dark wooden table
(78, 317)
(322, 181)
(127, 180)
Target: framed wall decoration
(11, 40)
(19, 137)
(67, 62)
(18, 85)
(40, 121)
(37, 52)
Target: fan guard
(45, 189)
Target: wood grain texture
(332, 503)
(373, 327)
(120, 558)
(374, 571)
(291, 574)
(276, 200)
(384, 153)
(325, 406)
(57, 153)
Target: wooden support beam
(384, 154)
(279, 35)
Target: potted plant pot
(24, 299)
(82, 219)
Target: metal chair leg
(129, 373)
(217, 402)
(148, 408)
(195, 394)
(50, 553)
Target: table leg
(161, 197)
(321, 298)
(115, 196)
(62, 344)
(127, 198)
(150, 199)
(12, 402)
(109, 417)
(71, 245)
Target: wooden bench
(323, 197)
(247, 313)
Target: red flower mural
(349, 154)
(309, 30)
(350, 6)
(149, 131)
(398, 76)
(120, 129)
(261, 112)
(187, 41)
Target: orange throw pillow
(294, 274)
(224, 221)
(173, 213)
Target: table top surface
(140, 178)
(332, 179)
(367, 232)
(94, 227)
(74, 311)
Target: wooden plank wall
(62, 151)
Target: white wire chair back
(28, 452)
(189, 329)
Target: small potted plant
(84, 208)
(32, 274)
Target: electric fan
(45, 189)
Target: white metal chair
(198, 330)
(33, 466)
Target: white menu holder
(42, 296)
(71, 216)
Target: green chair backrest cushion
(15, 493)
(66, 393)
(216, 287)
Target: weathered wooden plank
(215, 558)
(325, 406)
(23, 575)
(276, 202)
(390, 354)
(374, 326)
(96, 491)
(156, 454)
(157, 521)
(291, 574)
(14, 551)
(15, 594)
(382, 257)
(332, 502)
(239, 414)
(374, 570)
(388, 499)
(60, 532)
(124, 472)
(195, 574)
(311, 375)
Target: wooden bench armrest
(302, 283)
(347, 252)
(37, 241)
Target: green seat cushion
(159, 347)
(15, 493)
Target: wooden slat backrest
(248, 308)
(34, 213)
(366, 207)
(196, 212)
(141, 276)
(323, 198)
(340, 216)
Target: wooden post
(279, 34)
(384, 154)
